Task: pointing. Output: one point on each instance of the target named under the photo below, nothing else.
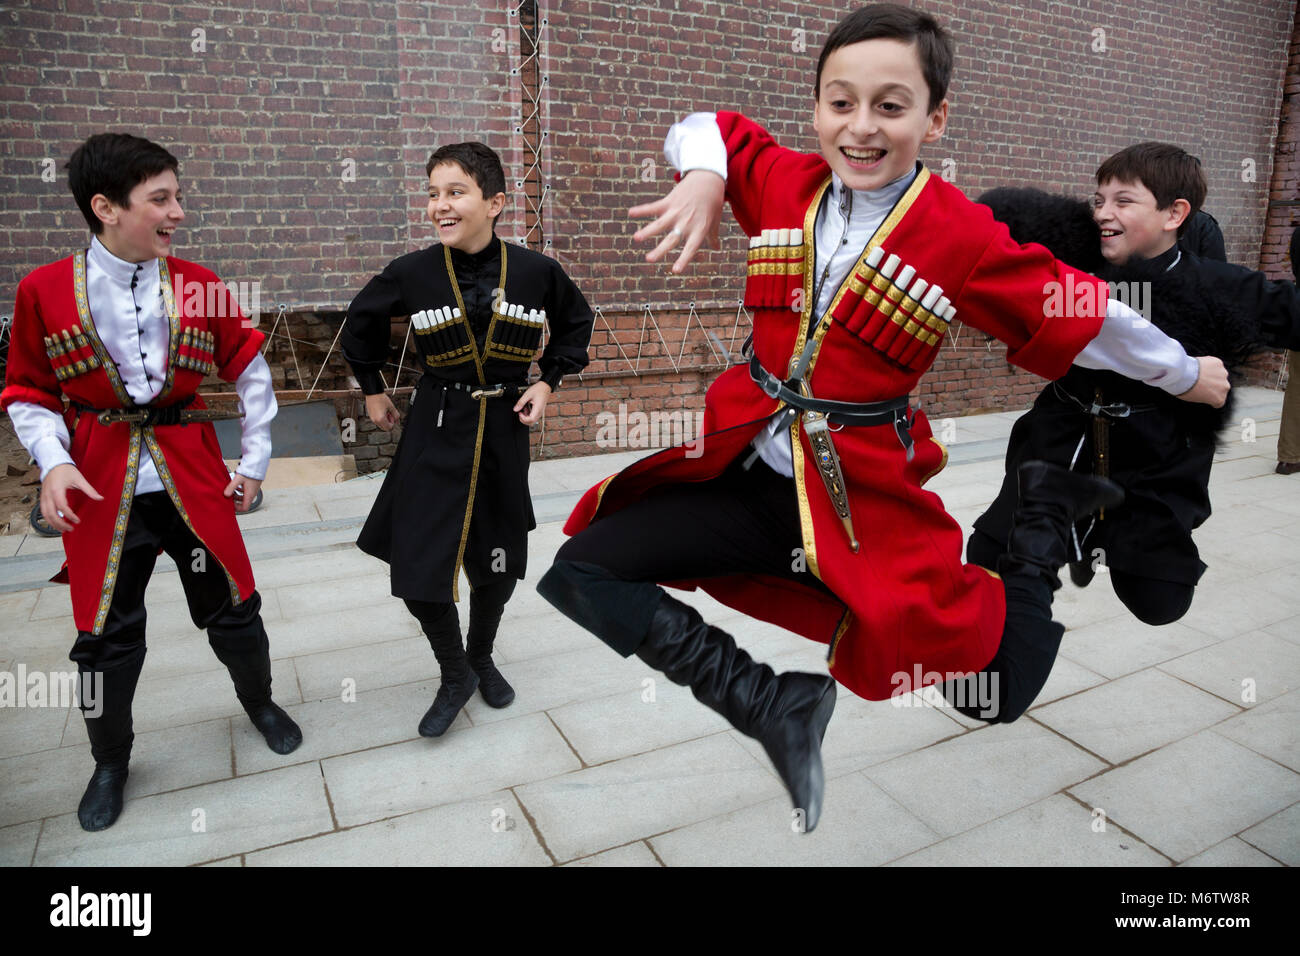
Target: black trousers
(155, 523)
(1151, 600)
(490, 589)
(748, 522)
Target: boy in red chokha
(141, 470)
(807, 507)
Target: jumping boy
(806, 507)
(457, 491)
(1158, 449)
(113, 330)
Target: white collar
(886, 195)
(119, 270)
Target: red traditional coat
(907, 605)
(52, 302)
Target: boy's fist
(382, 411)
(1211, 386)
(692, 212)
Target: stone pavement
(1149, 746)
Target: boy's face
(142, 229)
(458, 209)
(872, 112)
(1131, 225)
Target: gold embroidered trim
(942, 465)
(88, 323)
(173, 328)
(464, 315)
(160, 463)
(119, 530)
(469, 503)
(840, 631)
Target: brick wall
(303, 126)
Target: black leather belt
(893, 411)
(1111, 410)
(511, 390)
(155, 416)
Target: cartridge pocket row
(516, 333)
(196, 351)
(894, 311)
(776, 270)
(70, 353)
(443, 336)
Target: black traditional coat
(1162, 452)
(457, 490)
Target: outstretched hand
(54, 496)
(692, 213)
(1211, 386)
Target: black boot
(485, 610)
(240, 642)
(1052, 498)
(1082, 573)
(786, 714)
(109, 694)
(458, 679)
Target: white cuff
(1130, 345)
(50, 453)
(696, 143)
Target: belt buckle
(482, 393)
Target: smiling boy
(1159, 450)
(456, 494)
(142, 471)
(859, 259)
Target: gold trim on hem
(119, 531)
(942, 465)
(840, 630)
(160, 463)
(469, 502)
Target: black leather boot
(786, 714)
(1052, 498)
(108, 693)
(458, 679)
(485, 610)
(1082, 573)
(239, 640)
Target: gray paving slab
(1254, 667)
(419, 774)
(1126, 717)
(1184, 798)
(489, 830)
(50, 782)
(1231, 852)
(634, 854)
(1001, 768)
(598, 808)
(1271, 729)
(1278, 836)
(18, 844)
(197, 824)
(861, 826)
(1056, 831)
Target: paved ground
(1149, 746)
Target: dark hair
(478, 160)
(113, 164)
(1168, 171)
(893, 22)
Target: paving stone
(18, 844)
(285, 805)
(1056, 831)
(1271, 729)
(1186, 797)
(1278, 836)
(1124, 644)
(1001, 768)
(1232, 852)
(634, 854)
(487, 831)
(602, 807)
(1256, 664)
(860, 826)
(1126, 717)
(420, 774)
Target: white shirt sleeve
(696, 143)
(1133, 347)
(43, 433)
(257, 401)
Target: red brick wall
(267, 117)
